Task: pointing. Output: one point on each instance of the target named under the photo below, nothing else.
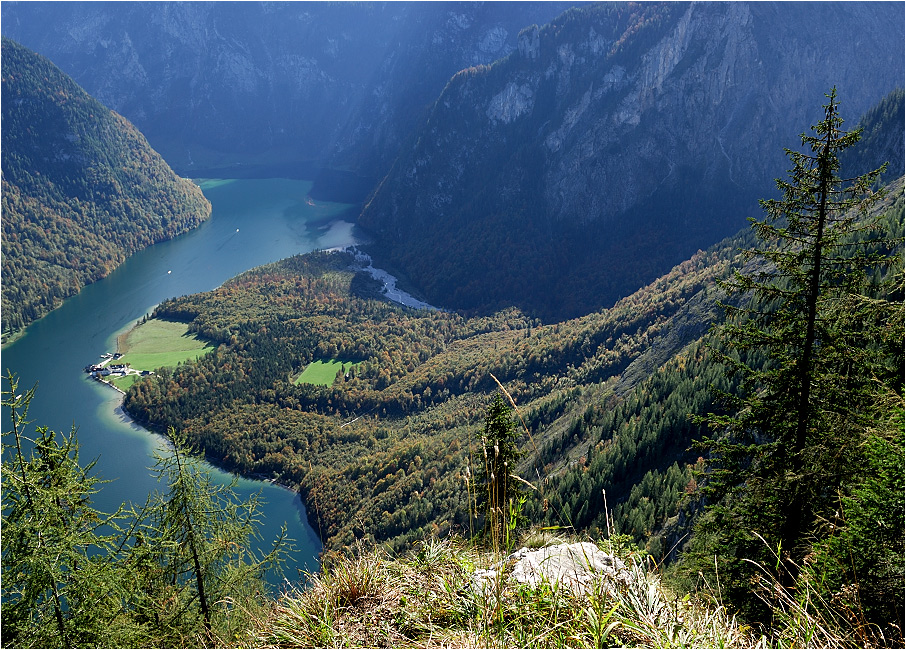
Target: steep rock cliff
(614, 142)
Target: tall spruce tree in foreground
(818, 343)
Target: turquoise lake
(253, 222)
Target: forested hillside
(391, 441)
(883, 139)
(612, 359)
(82, 189)
(375, 476)
(738, 419)
(383, 451)
(534, 154)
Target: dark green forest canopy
(606, 397)
(882, 140)
(817, 349)
(82, 189)
(392, 441)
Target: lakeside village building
(99, 370)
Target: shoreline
(13, 337)
(116, 388)
(120, 405)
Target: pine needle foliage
(142, 586)
(816, 343)
(195, 540)
(58, 588)
(179, 572)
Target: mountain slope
(383, 451)
(82, 189)
(338, 84)
(883, 139)
(615, 142)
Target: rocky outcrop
(576, 567)
(556, 167)
(615, 142)
(529, 43)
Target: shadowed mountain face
(215, 83)
(556, 168)
(615, 142)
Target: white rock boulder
(570, 566)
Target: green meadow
(322, 373)
(123, 383)
(158, 344)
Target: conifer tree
(790, 441)
(196, 540)
(181, 572)
(58, 588)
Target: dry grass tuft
(370, 600)
(426, 599)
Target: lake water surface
(254, 222)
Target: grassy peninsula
(154, 344)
